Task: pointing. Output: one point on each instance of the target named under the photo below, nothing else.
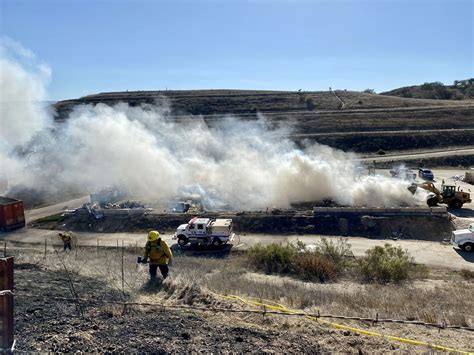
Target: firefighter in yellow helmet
(159, 253)
(66, 237)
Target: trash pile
(127, 204)
(188, 206)
(94, 210)
(97, 210)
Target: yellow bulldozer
(449, 194)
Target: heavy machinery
(205, 231)
(449, 194)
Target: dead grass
(436, 299)
(441, 297)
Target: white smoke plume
(241, 164)
(22, 89)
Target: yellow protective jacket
(66, 237)
(158, 252)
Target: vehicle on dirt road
(450, 195)
(464, 238)
(426, 174)
(205, 232)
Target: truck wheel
(469, 247)
(456, 204)
(217, 242)
(432, 202)
(182, 240)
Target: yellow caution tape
(279, 307)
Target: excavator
(449, 194)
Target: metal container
(12, 214)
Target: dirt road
(418, 155)
(430, 253)
(41, 212)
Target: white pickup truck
(464, 238)
(205, 231)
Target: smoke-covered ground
(242, 164)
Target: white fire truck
(205, 231)
(464, 238)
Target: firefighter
(67, 239)
(159, 253)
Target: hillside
(369, 122)
(460, 90)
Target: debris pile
(127, 204)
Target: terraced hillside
(352, 121)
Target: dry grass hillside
(369, 122)
(461, 89)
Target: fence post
(6, 305)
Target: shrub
(310, 104)
(326, 261)
(369, 91)
(467, 274)
(387, 263)
(301, 99)
(314, 266)
(59, 217)
(273, 258)
(381, 152)
(336, 252)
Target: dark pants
(163, 269)
(67, 245)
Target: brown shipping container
(12, 214)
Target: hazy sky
(114, 45)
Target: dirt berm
(423, 227)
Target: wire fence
(263, 311)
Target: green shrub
(381, 152)
(273, 258)
(387, 263)
(52, 218)
(324, 262)
(337, 252)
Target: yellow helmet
(153, 235)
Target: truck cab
(464, 238)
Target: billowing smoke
(241, 164)
(22, 89)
